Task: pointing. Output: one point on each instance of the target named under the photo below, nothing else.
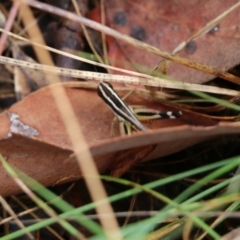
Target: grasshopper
(130, 118)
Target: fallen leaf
(165, 25)
(33, 137)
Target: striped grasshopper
(130, 118)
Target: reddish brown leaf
(41, 148)
(166, 24)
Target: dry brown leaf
(33, 137)
(165, 25)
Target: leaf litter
(33, 136)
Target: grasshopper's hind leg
(146, 114)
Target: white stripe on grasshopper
(126, 116)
